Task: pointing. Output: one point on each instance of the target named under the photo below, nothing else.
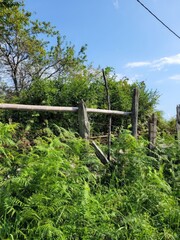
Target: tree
(27, 59)
(24, 56)
(9, 3)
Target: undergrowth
(54, 187)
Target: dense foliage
(25, 50)
(35, 71)
(90, 88)
(54, 187)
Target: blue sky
(123, 35)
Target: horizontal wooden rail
(23, 107)
(111, 112)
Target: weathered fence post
(135, 107)
(84, 126)
(110, 117)
(178, 122)
(84, 130)
(152, 131)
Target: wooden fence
(153, 128)
(84, 125)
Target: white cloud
(116, 4)
(137, 64)
(175, 77)
(162, 62)
(157, 64)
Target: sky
(123, 35)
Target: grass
(54, 187)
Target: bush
(54, 187)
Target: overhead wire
(158, 19)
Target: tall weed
(58, 189)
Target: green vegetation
(33, 71)
(52, 185)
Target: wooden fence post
(84, 130)
(110, 117)
(135, 107)
(152, 131)
(178, 121)
(84, 126)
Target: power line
(158, 19)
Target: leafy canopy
(25, 56)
